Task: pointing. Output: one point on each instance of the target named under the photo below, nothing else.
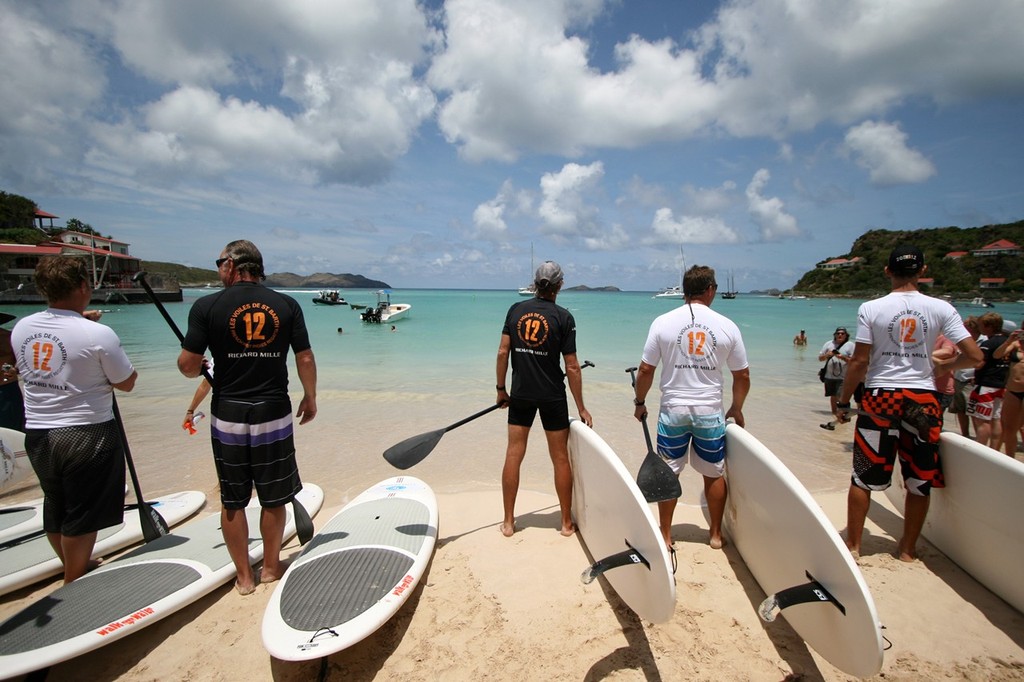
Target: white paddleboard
(356, 572)
(130, 592)
(612, 516)
(782, 535)
(32, 559)
(17, 520)
(976, 519)
(14, 464)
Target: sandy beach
(497, 608)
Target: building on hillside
(955, 255)
(926, 282)
(111, 269)
(836, 263)
(1002, 247)
(991, 282)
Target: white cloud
(687, 229)
(881, 149)
(564, 207)
(769, 212)
(710, 200)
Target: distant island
(584, 287)
(200, 277)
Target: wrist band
(638, 403)
(843, 406)
(189, 411)
(500, 388)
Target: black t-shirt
(994, 372)
(248, 329)
(540, 332)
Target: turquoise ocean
(377, 387)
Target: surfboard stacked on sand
(130, 592)
(976, 519)
(356, 572)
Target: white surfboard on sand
(786, 541)
(21, 519)
(30, 558)
(14, 464)
(131, 592)
(976, 520)
(356, 572)
(614, 520)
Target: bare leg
(965, 424)
(1010, 423)
(915, 511)
(666, 510)
(514, 454)
(982, 430)
(558, 447)
(857, 502)
(716, 492)
(76, 551)
(272, 520)
(235, 528)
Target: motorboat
(330, 297)
(385, 310)
(977, 302)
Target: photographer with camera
(835, 354)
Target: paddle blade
(153, 525)
(656, 480)
(412, 451)
(303, 524)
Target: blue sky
(430, 144)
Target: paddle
(153, 525)
(414, 450)
(655, 479)
(303, 524)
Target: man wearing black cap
(902, 414)
(537, 333)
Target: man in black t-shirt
(248, 329)
(536, 335)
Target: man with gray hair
(536, 333)
(249, 329)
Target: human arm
(574, 375)
(740, 389)
(128, 384)
(305, 364)
(644, 381)
(856, 371)
(201, 392)
(1006, 348)
(501, 370)
(190, 364)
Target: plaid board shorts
(904, 422)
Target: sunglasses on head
(221, 261)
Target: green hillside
(185, 275)
(955, 277)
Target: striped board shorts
(253, 445)
(700, 426)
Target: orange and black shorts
(898, 421)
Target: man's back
(540, 332)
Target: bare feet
(246, 589)
(268, 577)
(568, 531)
(716, 543)
(507, 529)
(904, 555)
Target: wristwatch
(843, 406)
(637, 402)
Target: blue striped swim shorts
(702, 426)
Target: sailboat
(675, 292)
(731, 291)
(529, 289)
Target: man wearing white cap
(537, 333)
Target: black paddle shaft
(140, 277)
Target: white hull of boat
(395, 311)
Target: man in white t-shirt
(695, 345)
(835, 354)
(70, 366)
(902, 414)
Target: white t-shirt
(836, 369)
(695, 343)
(68, 364)
(902, 328)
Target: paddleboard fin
(798, 594)
(626, 557)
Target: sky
(434, 144)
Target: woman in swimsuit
(1013, 400)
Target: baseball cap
(906, 260)
(547, 274)
(1007, 326)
